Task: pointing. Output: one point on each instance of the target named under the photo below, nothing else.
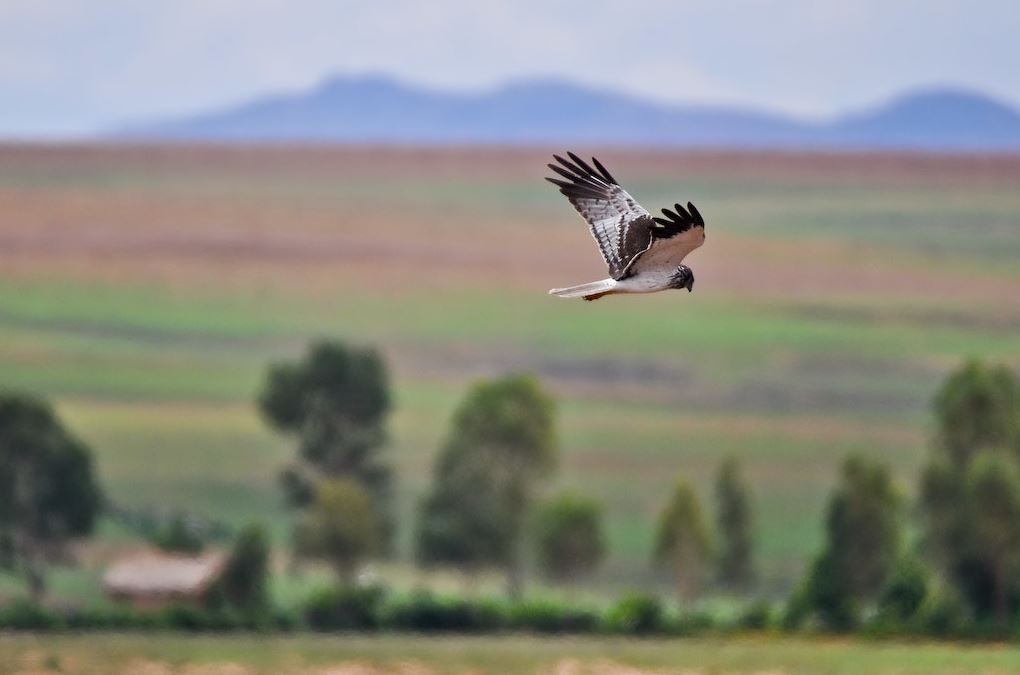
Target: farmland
(358, 655)
(146, 288)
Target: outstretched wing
(670, 239)
(619, 224)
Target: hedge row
(372, 609)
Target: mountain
(376, 109)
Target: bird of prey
(644, 253)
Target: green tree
(969, 487)
(335, 401)
(977, 408)
(339, 527)
(863, 533)
(48, 490)
(245, 580)
(501, 445)
(992, 545)
(569, 537)
(683, 542)
(735, 527)
(179, 535)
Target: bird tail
(590, 291)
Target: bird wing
(618, 223)
(668, 240)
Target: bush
(692, 623)
(426, 612)
(635, 614)
(107, 618)
(548, 616)
(943, 614)
(344, 608)
(28, 615)
(244, 583)
(757, 616)
(198, 619)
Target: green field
(146, 289)
(508, 655)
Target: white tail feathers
(590, 291)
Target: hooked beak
(690, 285)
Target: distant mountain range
(377, 109)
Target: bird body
(643, 252)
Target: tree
(179, 535)
(569, 536)
(977, 408)
(335, 400)
(969, 487)
(683, 542)
(863, 532)
(245, 580)
(339, 527)
(501, 445)
(48, 490)
(734, 525)
(993, 497)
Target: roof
(152, 573)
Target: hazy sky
(68, 67)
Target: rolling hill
(377, 109)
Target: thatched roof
(160, 574)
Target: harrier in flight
(644, 253)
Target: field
(352, 655)
(146, 289)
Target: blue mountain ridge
(378, 109)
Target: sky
(70, 68)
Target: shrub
(107, 618)
(757, 616)
(198, 619)
(28, 615)
(692, 623)
(347, 608)
(548, 616)
(426, 612)
(244, 583)
(635, 614)
(943, 614)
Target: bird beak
(690, 286)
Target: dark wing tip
(605, 174)
(696, 214)
(581, 163)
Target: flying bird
(644, 253)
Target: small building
(150, 579)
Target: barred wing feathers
(624, 231)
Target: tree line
(486, 506)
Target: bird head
(683, 278)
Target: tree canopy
(683, 542)
(569, 537)
(863, 532)
(245, 580)
(969, 489)
(48, 489)
(339, 527)
(335, 401)
(501, 445)
(734, 526)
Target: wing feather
(611, 213)
(628, 237)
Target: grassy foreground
(248, 655)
